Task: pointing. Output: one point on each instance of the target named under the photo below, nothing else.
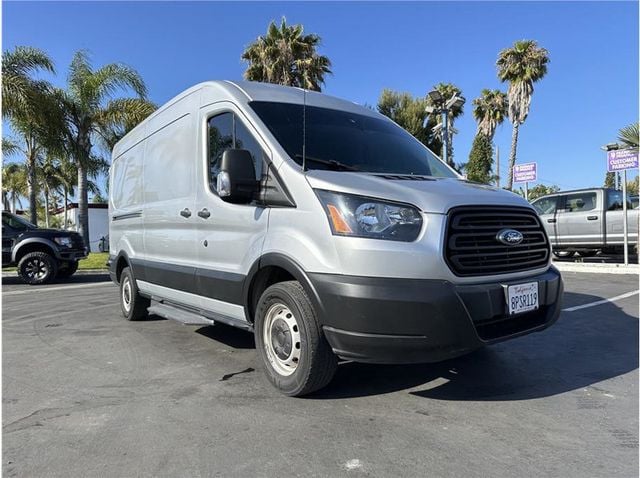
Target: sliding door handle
(551, 220)
(185, 212)
(592, 218)
(204, 213)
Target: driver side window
(226, 131)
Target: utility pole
(445, 135)
(498, 166)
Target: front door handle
(185, 212)
(551, 220)
(592, 218)
(204, 213)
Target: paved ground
(87, 394)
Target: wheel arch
(270, 269)
(35, 244)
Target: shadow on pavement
(231, 336)
(74, 279)
(584, 347)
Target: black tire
(589, 253)
(136, 306)
(563, 254)
(37, 268)
(316, 364)
(67, 269)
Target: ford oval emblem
(510, 237)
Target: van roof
(243, 92)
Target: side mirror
(236, 180)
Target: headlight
(359, 216)
(63, 241)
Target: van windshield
(343, 141)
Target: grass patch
(96, 260)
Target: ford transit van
(323, 228)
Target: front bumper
(387, 320)
(73, 254)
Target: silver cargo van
(323, 228)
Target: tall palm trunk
(66, 203)
(32, 187)
(83, 204)
(46, 206)
(512, 154)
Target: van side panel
(126, 194)
(169, 177)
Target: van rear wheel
(297, 358)
(133, 305)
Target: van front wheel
(297, 358)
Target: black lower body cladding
(388, 320)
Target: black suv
(40, 254)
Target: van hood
(433, 195)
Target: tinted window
(220, 139)
(15, 222)
(546, 205)
(580, 202)
(343, 141)
(614, 201)
(226, 132)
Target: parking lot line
(600, 302)
(53, 289)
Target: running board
(180, 315)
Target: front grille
(76, 241)
(472, 247)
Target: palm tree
(447, 90)
(629, 136)
(490, 110)
(287, 57)
(19, 88)
(92, 110)
(521, 65)
(14, 184)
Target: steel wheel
(126, 294)
(281, 339)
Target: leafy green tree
(20, 90)
(447, 90)
(92, 109)
(521, 66)
(610, 180)
(286, 56)
(409, 113)
(629, 136)
(490, 110)
(14, 184)
(30, 107)
(478, 168)
(538, 190)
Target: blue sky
(591, 89)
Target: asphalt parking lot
(86, 393)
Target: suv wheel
(37, 268)
(67, 269)
(296, 356)
(133, 305)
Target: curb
(631, 269)
(84, 272)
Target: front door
(547, 209)
(579, 220)
(230, 236)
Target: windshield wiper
(335, 165)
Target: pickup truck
(587, 221)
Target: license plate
(522, 297)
